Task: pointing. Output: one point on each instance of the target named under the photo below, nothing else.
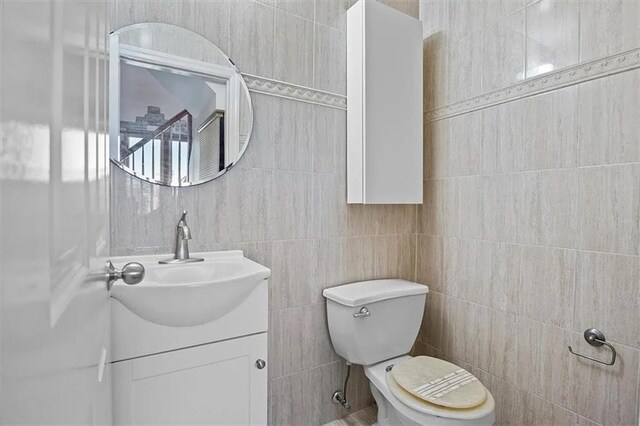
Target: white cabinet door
(384, 112)
(218, 383)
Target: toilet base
(387, 415)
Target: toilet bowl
(375, 324)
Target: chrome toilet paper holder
(596, 338)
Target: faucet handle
(183, 217)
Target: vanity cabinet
(189, 343)
(217, 383)
(384, 105)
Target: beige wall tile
(290, 279)
(609, 209)
(467, 207)
(502, 279)
(436, 146)
(326, 266)
(286, 399)
(503, 207)
(505, 395)
(291, 205)
(394, 257)
(464, 62)
(358, 259)
(502, 138)
(303, 8)
(547, 285)
(251, 41)
(330, 60)
(496, 342)
(464, 53)
(408, 7)
(549, 138)
(552, 36)
(533, 410)
(431, 332)
(435, 16)
(380, 219)
(200, 203)
(543, 361)
(293, 137)
(329, 140)
(249, 199)
(327, 216)
(496, 9)
(608, 124)
(333, 13)
(431, 211)
(209, 19)
(291, 326)
(464, 269)
(429, 262)
(317, 344)
(459, 336)
(293, 46)
(549, 214)
(604, 394)
(435, 76)
(259, 154)
(482, 287)
(607, 296)
(319, 384)
(608, 27)
(525, 287)
(464, 147)
(577, 420)
(138, 210)
(503, 52)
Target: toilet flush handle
(363, 313)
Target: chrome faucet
(183, 235)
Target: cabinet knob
(261, 363)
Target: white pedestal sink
(189, 343)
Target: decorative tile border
(292, 91)
(552, 81)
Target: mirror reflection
(179, 116)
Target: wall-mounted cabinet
(384, 112)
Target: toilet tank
(372, 321)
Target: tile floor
(364, 417)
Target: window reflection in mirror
(181, 120)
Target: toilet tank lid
(363, 292)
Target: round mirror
(180, 111)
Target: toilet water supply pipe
(340, 396)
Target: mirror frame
(147, 57)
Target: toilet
(375, 324)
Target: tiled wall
(284, 203)
(530, 231)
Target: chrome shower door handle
(362, 313)
(132, 273)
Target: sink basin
(190, 294)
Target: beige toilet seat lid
(439, 382)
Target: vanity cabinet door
(217, 383)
